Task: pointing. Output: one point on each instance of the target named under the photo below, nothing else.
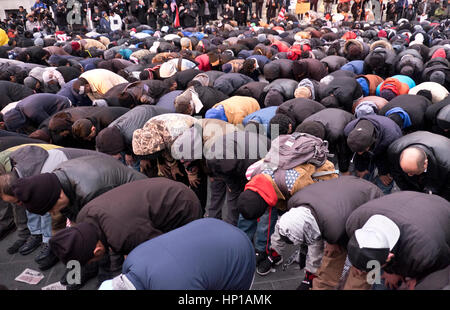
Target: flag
(281, 14)
(176, 24)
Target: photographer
(61, 15)
(152, 17)
(138, 9)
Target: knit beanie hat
(388, 94)
(39, 42)
(38, 193)
(75, 243)
(30, 82)
(361, 137)
(302, 92)
(110, 141)
(438, 77)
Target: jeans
(40, 225)
(376, 180)
(258, 230)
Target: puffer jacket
(380, 61)
(285, 87)
(309, 68)
(262, 117)
(345, 90)
(149, 207)
(415, 106)
(237, 108)
(437, 177)
(331, 203)
(254, 90)
(437, 64)
(431, 117)
(299, 109)
(355, 66)
(372, 82)
(410, 63)
(438, 92)
(230, 266)
(414, 256)
(279, 68)
(82, 179)
(333, 62)
(230, 82)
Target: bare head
(413, 161)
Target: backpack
(290, 151)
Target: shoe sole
(264, 273)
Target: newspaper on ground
(57, 286)
(30, 276)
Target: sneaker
(265, 266)
(46, 259)
(260, 256)
(307, 282)
(32, 243)
(16, 246)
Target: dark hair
(82, 128)
(314, 128)
(63, 62)
(283, 121)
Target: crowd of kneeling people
(186, 159)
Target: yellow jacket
(100, 81)
(238, 107)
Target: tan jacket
(238, 107)
(305, 179)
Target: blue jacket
(387, 131)
(206, 254)
(262, 116)
(355, 66)
(167, 101)
(76, 99)
(217, 113)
